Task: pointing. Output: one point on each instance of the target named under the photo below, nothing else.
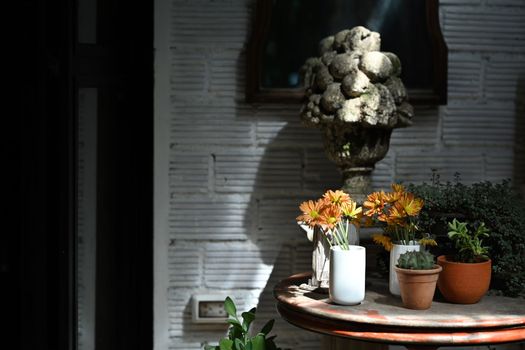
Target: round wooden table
(381, 317)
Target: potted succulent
(397, 213)
(417, 274)
(332, 220)
(466, 275)
(239, 332)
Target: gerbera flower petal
(374, 203)
(410, 204)
(398, 187)
(337, 197)
(383, 240)
(330, 217)
(311, 212)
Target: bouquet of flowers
(333, 213)
(397, 212)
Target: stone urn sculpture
(355, 96)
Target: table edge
(393, 335)
(300, 278)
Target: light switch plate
(208, 308)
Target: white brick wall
(229, 175)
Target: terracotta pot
(417, 286)
(464, 283)
(395, 252)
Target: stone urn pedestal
(355, 150)
(356, 98)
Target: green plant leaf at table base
(238, 333)
(258, 342)
(267, 328)
(235, 332)
(247, 318)
(234, 322)
(239, 345)
(230, 308)
(225, 344)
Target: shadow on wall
(519, 147)
(286, 167)
(258, 187)
(293, 168)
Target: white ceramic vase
(321, 253)
(347, 275)
(395, 252)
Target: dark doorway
(74, 62)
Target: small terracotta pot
(464, 283)
(417, 286)
(395, 253)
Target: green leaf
(212, 347)
(234, 322)
(258, 342)
(270, 344)
(225, 344)
(230, 308)
(267, 327)
(452, 234)
(236, 332)
(247, 319)
(239, 345)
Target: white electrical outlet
(209, 308)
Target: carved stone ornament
(355, 96)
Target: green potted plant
(239, 332)
(466, 275)
(417, 275)
(498, 205)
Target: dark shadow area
(519, 154)
(38, 262)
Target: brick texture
(235, 173)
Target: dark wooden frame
(261, 22)
(120, 66)
(38, 258)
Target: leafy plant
(468, 243)
(239, 332)
(498, 206)
(422, 260)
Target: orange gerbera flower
(409, 204)
(393, 197)
(330, 216)
(375, 203)
(398, 188)
(396, 212)
(311, 212)
(427, 241)
(337, 197)
(383, 240)
(398, 191)
(351, 210)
